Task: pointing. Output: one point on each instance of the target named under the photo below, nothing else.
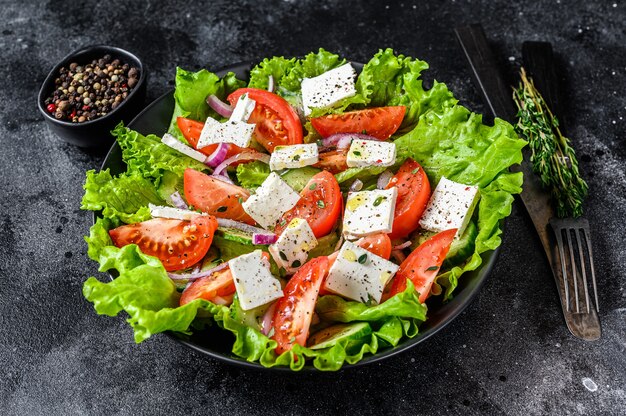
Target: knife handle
(495, 91)
(540, 64)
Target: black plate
(218, 343)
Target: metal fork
(575, 256)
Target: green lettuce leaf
(147, 156)
(277, 67)
(125, 197)
(251, 175)
(192, 89)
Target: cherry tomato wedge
(320, 205)
(215, 197)
(293, 313)
(422, 265)
(277, 123)
(191, 130)
(333, 161)
(218, 284)
(380, 122)
(413, 194)
(178, 244)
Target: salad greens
(438, 133)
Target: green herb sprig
(552, 157)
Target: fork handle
(487, 77)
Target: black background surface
(508, 353)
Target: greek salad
(310, 211)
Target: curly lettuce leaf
(277, 67)
(125, 197)
(147, 156)
(192, 89)
(251, 175)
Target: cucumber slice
(352, 334)
(460, 250)
(235, 235)
(325, 246)
(252, 318)
(299, 177)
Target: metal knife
(498, 97)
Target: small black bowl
(94, 133)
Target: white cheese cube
(254, 283)
(359, 275)
(450, 206)
(158, 211)
(236, 132)
(175, 144)
(271, 200)
(365, 153)
(291, 250)
(243, 109)
(369, 212)
(329, 88)
(294, 156)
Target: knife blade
(498, 97)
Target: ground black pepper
(87, 92)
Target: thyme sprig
(552, 157)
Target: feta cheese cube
(244, 107)
(158, 211)
(365, 153)
(450, 206)
(328, 88)
(271, 200)
(254, 283)
(291, 250)
(294, 156)
(236, 132)
(359, 275)
(175, 144)
(369, 212)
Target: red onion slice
(218, 155)
(250, 155)
(224, 178)
(266, 323)
(264, 239)
(220, 107)
(195, 276)
(398, 256)
(343, 140)
(356, 186)
(383, 179)
(403, 245)
(270, 83)
(178, 201)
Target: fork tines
(576, 258)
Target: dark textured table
(509, 352)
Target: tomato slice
(413, 194)
(380, 122)
(277, 123)
(293, 313)
(191, 130)
(215, 197)
(422, 265)
(218, 284)
(334, 161)
(178, 244)
(320, 205)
